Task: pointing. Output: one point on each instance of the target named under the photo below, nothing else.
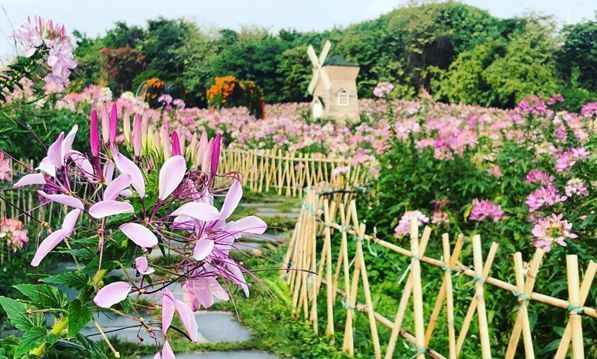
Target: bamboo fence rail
(310, 264)
(288, 173)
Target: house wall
(342, 78)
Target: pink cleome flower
(14, 232)
(576, 187)
(544, 196)
(483, 209)
(403, 227)
(5, 168)
(552, 229)
(539, 176)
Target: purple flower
(576, 187)
(539, 176)
(403, 227)
(483, 209)
(569, 158)
(383, 89)
(552, 229)
(543, 196)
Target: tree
(120, 66)
(579, 53)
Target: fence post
(448, 262)
(417, 289)
(481, 314)
(573, 309)
(585, 288)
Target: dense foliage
(459, 53)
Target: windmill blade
(326, 80)
(325, 51)
(312, 56)
(313, 82)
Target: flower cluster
(179, 215)
(48, 39)
(403, 227)
(383, 89)
(14, 233)
(552, 229)
(484, 209)
(5, 168)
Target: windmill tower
(333, 86)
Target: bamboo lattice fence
(310, 264)
(288, 173)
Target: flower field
(134, 176)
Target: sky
(94, 17)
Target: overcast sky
(94, 17)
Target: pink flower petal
(116, 186)
(48, 244)
(232, 199)
(47, 166)
(129, 167)
(109, 208)
(111, 294)
(83, 163)
(171, 174)
(239, 278)
(139, 234)
(63, 199)
(247, 225)
(28, 180)
(203, 248)
(167, 352)
(108, 172)
(67, 144)
(200, 211)
(142, 265)
(167, 309)
(55, 151)
(188, 319)
(70, 220)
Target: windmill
(333, 86)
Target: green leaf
(17, 314)
(78, 316)
(30, 340)
(77, 280)
(43, 295)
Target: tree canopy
(457, 52)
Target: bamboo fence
(310, 265)
(289, 173)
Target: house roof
(338, 60)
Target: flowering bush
(524, 176)
(120, 210)
(227, 91)
(13, 234)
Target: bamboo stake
(448, 292)
(575, 319)
(526, 327)
(442, 291)
(417, 290)
(481, 314)
(526, 290)
(584, 293)
(473, 306)
(329, 331)
(404, 300)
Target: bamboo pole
(584, 293)
(417, 290)
(526, 327)
(404, 300)
(329, 330)
(525, 291)
(442, 291)
(574, 299)
(481, 314)
(449, 260)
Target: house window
(343, 98)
